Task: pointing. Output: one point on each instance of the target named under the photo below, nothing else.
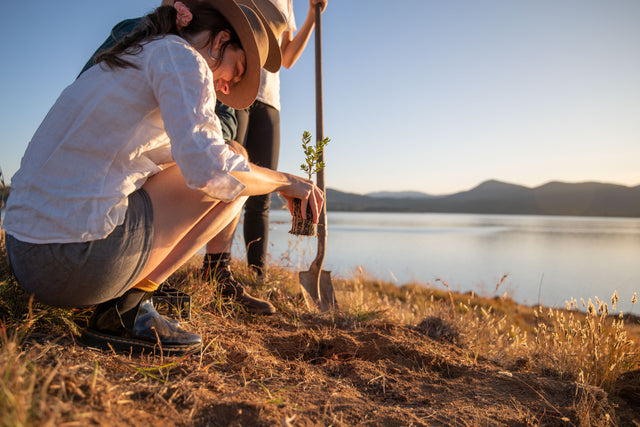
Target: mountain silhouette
(400, 195)
(496, 197)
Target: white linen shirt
(269, 92)
(111, 130)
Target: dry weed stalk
(4, 266)
(595, 350)
(367, 298)
(486, 332)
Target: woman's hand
(305, 190)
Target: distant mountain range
(400, 195)
(495, 197)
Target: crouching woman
(128, 176)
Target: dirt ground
(304, 369)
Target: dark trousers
(259, 132)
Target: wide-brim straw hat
(275, 22)
(254, 39)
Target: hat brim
(243, 93)
(274, 59)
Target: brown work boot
(232, 289)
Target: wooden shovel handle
(322, 222)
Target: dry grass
(590, 348)
(593, 346)
(375, 343)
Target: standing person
(128, 175)
(259, 131)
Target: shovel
(316, 282)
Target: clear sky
(426, 95)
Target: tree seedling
(312, 154)
(312, 164)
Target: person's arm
(261, 180)
(291, 46)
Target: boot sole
(100, 341)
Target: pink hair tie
(184, 15)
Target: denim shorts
(82, 274)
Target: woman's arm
(291, 46)
(261, 180)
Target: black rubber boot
(131, 323)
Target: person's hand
(307, 192)
(313, 3)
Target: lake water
(548, 260)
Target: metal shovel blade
(318, 291)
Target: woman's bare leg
(184, 220)
(222, 242)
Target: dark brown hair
(162, 21)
